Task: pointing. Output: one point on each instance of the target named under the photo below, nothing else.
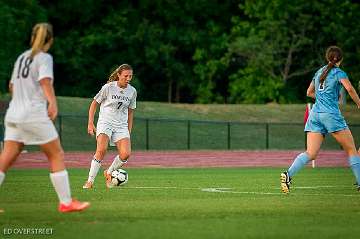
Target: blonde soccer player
(326, 118)
(32, 109)
(117, 100)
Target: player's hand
(91, 129)
(52, 111)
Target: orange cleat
(74, 206)
(88, 185)
(107, 179)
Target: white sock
(60, 181)
(94, 169)
(117, 163)
(2, 177)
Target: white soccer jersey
(28, 103)
(114, 104)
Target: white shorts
(114, 134)
(34, 133)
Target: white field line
(234, 191)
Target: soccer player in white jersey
(28, 120)
(117, 101)
(325, 117)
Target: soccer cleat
(74, 206)
(88, 185)
(285, 181)
(107, 179)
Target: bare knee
(61, 153)
(100, 154)
(124, 156)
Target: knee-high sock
(94, 169)
(354, 162)
(60, 181)
(2, 177)
(299, 162)
(117, 163)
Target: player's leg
(314, 141)
(11, 151)
(59, 177)
(124, 150)
(123, 145)
(346, 140)
(102, 141)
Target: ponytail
(42, 33)
(333, 55)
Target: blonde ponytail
(114, 77)
(42, 33)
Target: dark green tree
(282, 43)
(17, 18)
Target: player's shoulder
(339, 72)
(23, 54)
(132, 88)
(319, 71)
(109, 85)
(44, 56)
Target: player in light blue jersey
(325, 117)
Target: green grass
(169, 203)
(260, 113)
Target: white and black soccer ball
(119, 177)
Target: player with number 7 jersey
(117, 100)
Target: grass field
(189, 203)
(255, 113)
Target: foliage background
(199, 51)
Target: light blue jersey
(327, 97)
(325, 117)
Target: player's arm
(92, 111)
(310, 92)
(130, 119)
(351, 90)
(49, 93)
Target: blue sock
(298, 164)
(354, 162)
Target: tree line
(203, 51)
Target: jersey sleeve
(13, 75)
(102, 94)
(341, 75)
(132, 104)
(46, 67)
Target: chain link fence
(168, 134)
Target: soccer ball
(119, 177)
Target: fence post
(267, 135)
(188, 134)
(229, 135)
(147, 133)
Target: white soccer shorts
(34, 133)
(114, 133)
